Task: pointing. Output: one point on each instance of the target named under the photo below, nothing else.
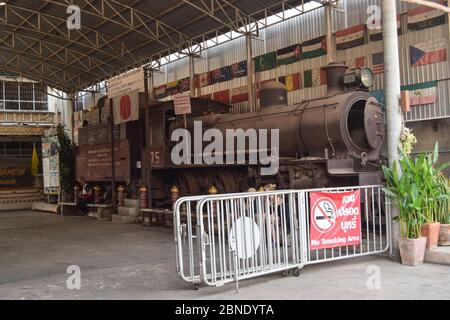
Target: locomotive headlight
(359, 78)
(366, 77)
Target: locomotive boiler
(331, 141)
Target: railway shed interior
(96, 97)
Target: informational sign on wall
(126, 83)
(182, 104)
(50, 162)
(15, 173)
(335, 219)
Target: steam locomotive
(332, 141)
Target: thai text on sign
(182, 103)
(126, 83)
(335, 219)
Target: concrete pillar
(250, 74)
(392, 91)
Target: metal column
(250, 74)
(329, 31)
(146, 171)
(192, 76)
(113, 155)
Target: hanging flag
(34, 162)
(172, 88)
(222, 96)
(239, 94)
(160, 92)
(422, 93)
(378, 63)
(314, 78)
(424, 17)
(184, 85)
(203, 79)
(239, 69)
(126, 107)
(288, 55)
(314, 48)
(360, 62)
(376, 29)
(221, 75)
(428, 52)
(350, 37)
(265, 62)
(292, 82)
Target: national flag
(350, 37)
(222, 96)
(378, 63)
(359, 62)
(184, 85)
(203, 79)
(34, 162)
(314, 48)
(375, 28)
(314, 78)
(428, 52)
(424, 17)
(221, 75)
(239, 94)
(288, 55)
(239, 69)
(126, 107)
(265, 62)
(422, 93)
(292, 82)
(160, 92)
(172, 88)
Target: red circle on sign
(320, 212)
(125, 107)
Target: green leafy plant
(418, 189)
(67, 161)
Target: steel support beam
(250, 74)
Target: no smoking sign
(335, 219)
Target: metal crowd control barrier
(242, 236)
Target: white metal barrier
(232, 237)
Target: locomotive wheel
(224, 182)
(187, 183)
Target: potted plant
(402, 188)
(444, 211)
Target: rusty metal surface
(94, 162)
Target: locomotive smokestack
(335, 77)
(273, 94)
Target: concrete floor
(132, 262)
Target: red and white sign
(335, 219)
(182, 103)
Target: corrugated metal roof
(35, 41)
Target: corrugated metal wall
(309, 26)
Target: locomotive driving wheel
(187, 184)
(225, 182)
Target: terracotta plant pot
(412, 251)
(431, 232)
(444, 235)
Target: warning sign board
(335, 219)
(182, 103)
